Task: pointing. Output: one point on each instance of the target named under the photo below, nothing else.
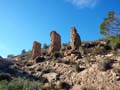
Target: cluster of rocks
(90, 76)
(55, 45)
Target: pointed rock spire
(75, 39)
(55, 42)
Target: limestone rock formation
(75, 39)
(55, 42)
(36, 50)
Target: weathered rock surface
(51, 76)
(75, 39)
(36, 50)
(55, 42)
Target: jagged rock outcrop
(36, 50)
(75, 39)
(55, 42)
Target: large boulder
(55, 45)
(75, 39)
(51, 76)
(36, 50)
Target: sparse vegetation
(20, 84)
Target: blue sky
(25, 21)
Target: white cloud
(84, 3)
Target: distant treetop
(111, 25)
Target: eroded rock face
(75, 39)
(36, 50)
(55, 42)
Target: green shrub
(20, 84)
(56, 55)
(66, 62)
(5, 76)
(116, 70)
(63, 48)
(82, 51)
(69, 47)
(44, 53)
(64, 86)
(101, 50)
(105, 65)
(77, 68)
(115, 42)
(107, 47)
(51, 87)
(39, 59)
(110, 28)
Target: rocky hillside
(79, 65)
